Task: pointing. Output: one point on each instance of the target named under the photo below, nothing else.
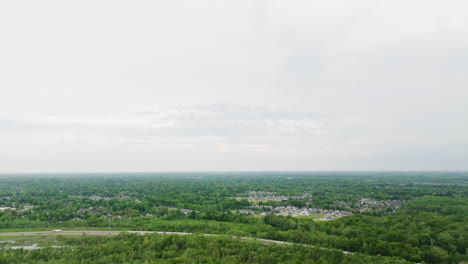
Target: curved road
(114, 233)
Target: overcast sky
(105, 86)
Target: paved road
(114, 233)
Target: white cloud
(214, 85)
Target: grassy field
(10, 230)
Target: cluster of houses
(183, 210)
(370, 204)
(93, 197)
(363, 204)
(23, 208)
(366, 204)
(295, 211)
(258, 196)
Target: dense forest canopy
(381, 217)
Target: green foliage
(431, 226)
(180, 249)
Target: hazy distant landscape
(238, 217)
(223, 131)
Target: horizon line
(228, 171)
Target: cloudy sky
(93, 86)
